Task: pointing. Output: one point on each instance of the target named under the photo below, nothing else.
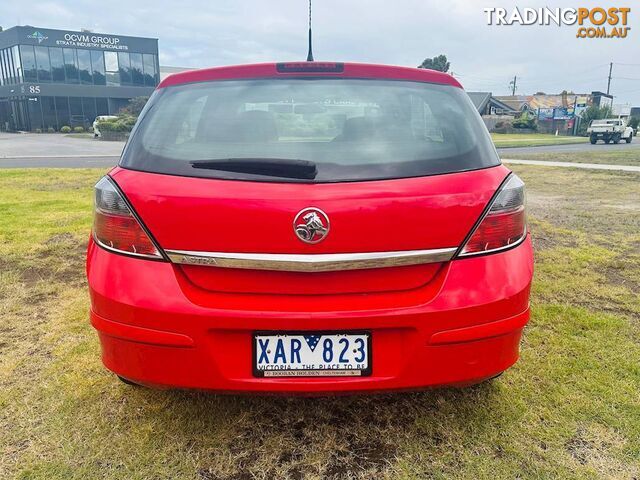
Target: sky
(203, 33)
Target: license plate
(311, 354)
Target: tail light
(115, 227)
(504, 225)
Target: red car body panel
(158, 328)
(398, 215)
(191, 326)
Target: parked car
(309, 227)
(609, 130)
(99, 118)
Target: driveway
(37, 145)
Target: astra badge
(311, 225)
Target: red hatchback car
(309, 227)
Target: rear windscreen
(348, 129)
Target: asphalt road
(61, 151)
(28, 150)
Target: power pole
(609, 80)
(512, 84)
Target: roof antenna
(310, 53)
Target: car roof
(310, 69)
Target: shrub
(65, 129)
(134, 107)
(78, 129)
(51, 130)
(124, 123)
(525, 121)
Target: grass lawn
(608, 154)
(505, 140)
(569, 409)
(86, 135)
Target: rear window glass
(348, 129)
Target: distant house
(565, 100)
(492, 110)
(518, 103)
(487, 104)
(555, 112)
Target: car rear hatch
(207, 215)
(219, 172)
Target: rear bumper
(156, 328)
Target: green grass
(570, 408)
(86, 135)
(505, 140)
(608, 154)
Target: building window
(57, 65)
(97, 63)
(48, 113)
(149, 70)
(43, 64)
(7, 77)
(124, 67)
(62, 110)
(77, 117)
(70, 65)
(13, 66)
(84, 66)
(89, 109)
(17, 75)
(35, 113)
(28, 63)
(102, 106)
(137, 75)
(111, 67)
(4, 75)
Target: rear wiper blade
(273, 167)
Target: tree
(135, 106)
(525, 121)
(438, 63)
(592, 113)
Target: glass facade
(38, 64)
(46, 112)
(29, 70)
(54, 78)
(10, 66)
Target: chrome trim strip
(327, 262)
